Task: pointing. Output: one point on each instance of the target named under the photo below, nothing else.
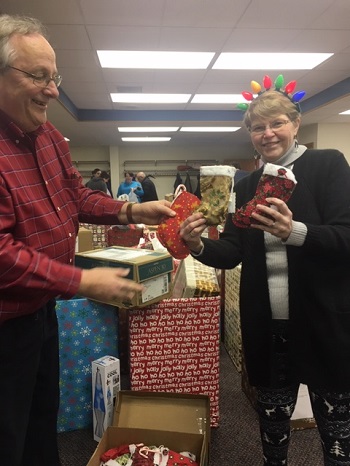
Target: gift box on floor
(124, 235)
(232, 321)
(194, 279)
(177, 421)
(87, 331)
(174, 347)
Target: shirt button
(58, 209)
(70, 261)
(17, 141)
(46, 182)
(70, 235)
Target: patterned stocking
(275, 181)
(216, 184)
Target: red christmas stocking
(184, 205)
(275, 181)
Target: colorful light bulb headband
(267, 83)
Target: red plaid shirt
(42, 201)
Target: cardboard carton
(105, 387)
(84, 240)
(177, 421)
(194, 279)
(151, 268)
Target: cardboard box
(151, 268)
(84, 240)
(178, 421)
(194, 279)
(87, 330)
(105, 387)
(174, 347)
(99, 234)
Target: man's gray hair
(15, 24)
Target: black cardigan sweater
(318, 274)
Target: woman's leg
(332, 414)
(275, 407)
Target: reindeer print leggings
(275, 407)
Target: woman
(295, 283)
(129, 186)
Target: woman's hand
(191, 230)
(279, 220)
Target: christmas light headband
(267, 83)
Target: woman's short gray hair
(270, 104)
(15, 24)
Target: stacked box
(232, 322)
(174, 347)
(105, 388)
(194, 279)
(87, 331)
(99, 234)
(153, 269)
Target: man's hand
(108, 284)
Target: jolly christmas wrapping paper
(174, 347)
(87, 331)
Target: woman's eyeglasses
(41, 81)
(275, 126)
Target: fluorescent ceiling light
(218, 99)
(150, 129)
(210, 129)
(154, 60)
(347, 112)
(150, 98)
(146, 139)
(269, 61)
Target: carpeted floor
(234, 443)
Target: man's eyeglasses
(41, 81)
(275, 126)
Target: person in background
(106, 178)
(294, 292)
(97, 182)
(149, 188)
(129, 186)
(96, 173)
(43, 200)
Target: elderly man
(149, 189)
(42, 202)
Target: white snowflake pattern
(78, 380)
(76, 343)
(86, 370)
(74, 303)
(342, 409)
(79, 323)
(85, 332)
(97, 349)
(65, 371)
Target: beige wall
(163, 160)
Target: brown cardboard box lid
(176, 412)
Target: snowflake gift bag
(87, 331)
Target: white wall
(163, 158)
